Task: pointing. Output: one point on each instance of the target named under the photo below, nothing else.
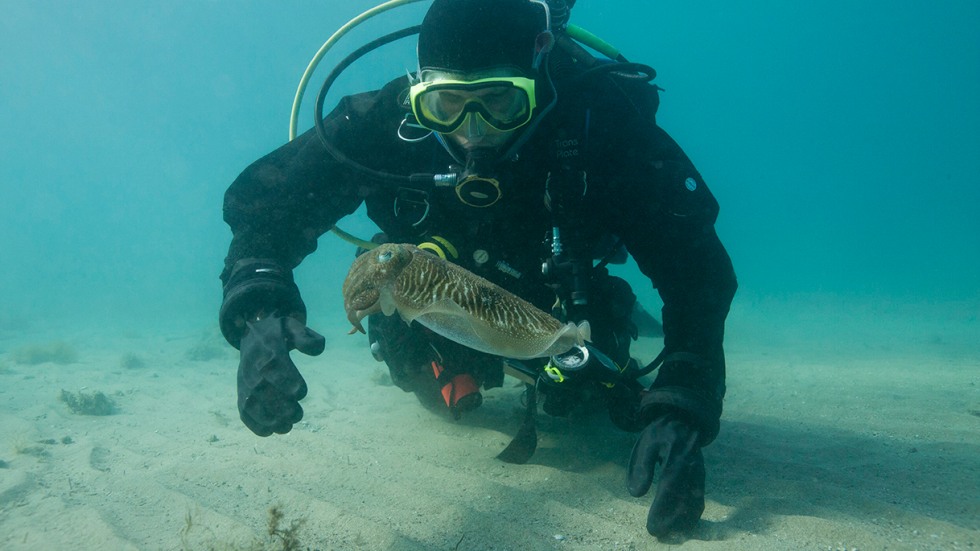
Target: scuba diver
(517, 154)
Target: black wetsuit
(641, 188)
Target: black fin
(522, 447)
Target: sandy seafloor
(847, 425)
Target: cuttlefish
(454, 303)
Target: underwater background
(841, 139)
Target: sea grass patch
(85, 403)
(56, 352)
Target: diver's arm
(283, 202)
(696, 282)
(669, 229)
(280, 205)
(276, 209)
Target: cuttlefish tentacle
(454, 303)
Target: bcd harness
(568, 268)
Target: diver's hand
(269, 385)
(672, 443)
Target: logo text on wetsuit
(566, 148)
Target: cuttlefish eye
(384, 257)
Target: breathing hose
(304, 81)
(575, 32)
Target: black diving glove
(269, 385)
(673, 443)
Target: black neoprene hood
(471, 35)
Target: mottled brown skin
(367, 276)
(453, 302)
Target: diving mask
(442, 105)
